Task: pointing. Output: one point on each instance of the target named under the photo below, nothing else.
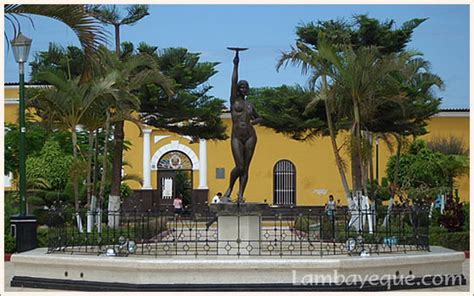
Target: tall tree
(283, 110)
(364, 32)
(190, 111)
(309, 60)
(67, 100)
(69, 60)
(111, 15)
(135, 71)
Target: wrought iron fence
(294, 232)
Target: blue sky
(269, 29)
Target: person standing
(330, 210)
(178, 204)
(330, 207)
(217, 198)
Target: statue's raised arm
(235, 74)
(235, 78)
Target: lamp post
(23, 226)
(377, 160)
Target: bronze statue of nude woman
(243, 137)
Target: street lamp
(24, 227)
(377, 160)
(21, 48)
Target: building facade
(283, 171)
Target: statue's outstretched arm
(235, 78)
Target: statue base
(239, 227)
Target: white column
(146, 159)
(202, 164)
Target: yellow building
(282, 171)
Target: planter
(7, 257)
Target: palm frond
(107, 14)
(89, 32)
(133, 177)
(135, 13)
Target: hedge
(458, 241)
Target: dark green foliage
(125, 190)
(183, 186)
(36, 137)
(406, 118)
(42, 237)
(189, 114)
(111, 14)
(48, 198)
(456, 162)
(458, 241)
(69, 60)
(10, 208)
(331, 229)
(302, 223)
(69, 191)
(453, 216)
(364, 31)
(51, 164)
(190, 111)
(283, 110)
(423, 173)
(9, 244)
(381, 192)
(466, 211)
(137, 228)
(368, 81)
(42, 201)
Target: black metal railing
(294, 232)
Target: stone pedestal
(239, 228)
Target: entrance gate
(175, 176)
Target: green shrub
(458, 241)
(466, 216)
(42, 237)
(302, 223)
(10, 208)
(125, 190)
(51, 164)
(329, 229)
(10, 244)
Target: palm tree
(67, 101)
(365, 79)
(309, 59)
(134, 72)
(409, 118)
(110, 15)
(87, 29)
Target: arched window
(284, 183)
(175, 160)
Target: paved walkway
(9, 271)
(465, 288)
